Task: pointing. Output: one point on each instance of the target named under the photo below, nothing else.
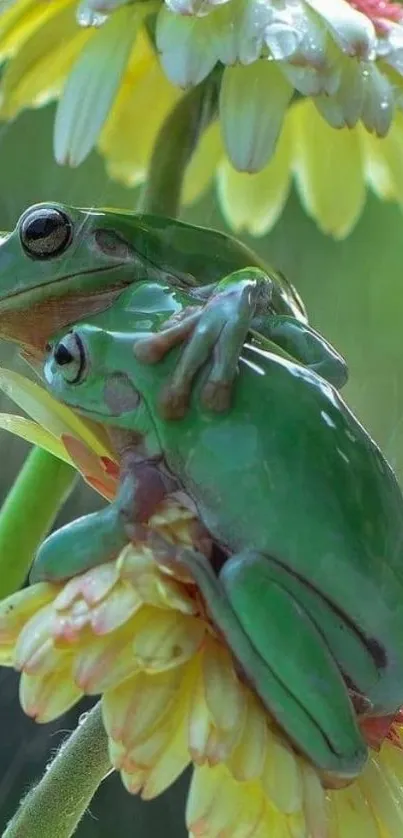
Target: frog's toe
(216, 396)
(174, 401)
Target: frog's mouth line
(7, 301)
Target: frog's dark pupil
(45, 232)
(63, 355)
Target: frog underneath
(297, 495)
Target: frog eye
(45, 232)
(69, 355)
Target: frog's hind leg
(304, 345)
(284, 657)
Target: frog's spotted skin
(62, 264)
(293, 489)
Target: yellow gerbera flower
(171, 697)
(138, 634)
(344, 61)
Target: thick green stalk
(28, 513)
(54, 808)
(174, 147)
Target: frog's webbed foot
(283, 655)
(100, 536)
(218, 331)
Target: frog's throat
(32, 324)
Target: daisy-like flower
(139, 636)
(343, 60)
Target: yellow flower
(138, 634)
(343, 60)
(171, 697)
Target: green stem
(56, 805)
(174, 147)
(28, 513)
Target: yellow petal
(320, 154)
(391, 150)
(35, 653)
(146, 752)
(281, 778)
(105, 662)
(44, 698)
(15, 611)
(354, 814)
(28, 80)
(380, 792)
(135, 708)
(199, 724)
(45, 410)
(128, 150)
(34, 433)
(377, 171)
(92, 586)
(170, 764)
(200, 170)
(254, 202)
(166, 639)
(314, 801)
(138, 566)
(22, 19)
(297, 827)
(225, 697)
(248, 758)
(217, 805)
(133, 781)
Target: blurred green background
(354, 294)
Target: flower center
(379, 11)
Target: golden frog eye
(45, 232)
(69, 356)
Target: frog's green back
(206, 255)
(291, 473)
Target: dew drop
(87, 17)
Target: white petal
(294, 33)
(185, 46)
(95, 12)
(104, 5)
(92, 86)
(345, 107)
(390, 46)
(353, 31)
(378, 106)
(198, 8)
(253, 203)
(239, 31)
(253, 102)
(311, 81)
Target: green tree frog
(62, 264)
(306, 513)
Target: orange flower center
(380, 12)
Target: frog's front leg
(219, 328)
(305, 345)
(100, 536)
(283, 655)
